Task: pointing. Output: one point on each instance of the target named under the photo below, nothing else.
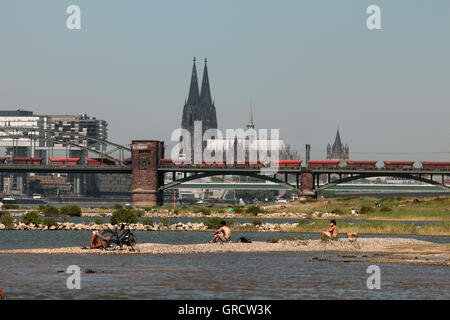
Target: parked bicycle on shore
(120, 237)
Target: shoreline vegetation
(301, 216)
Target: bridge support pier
(307, 183)
(146, 179)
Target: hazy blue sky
(306, 66)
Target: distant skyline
(307, 68)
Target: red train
(323, 164)
(27, 161)
(435, 165)
(287, 163)
(398, 164)
(64, 161)
(100, 162)
(361, 164)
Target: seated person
(352, 235)
(332, 232)
(99, 241)
(223, 233)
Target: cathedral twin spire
(199, 105)
(204, 96)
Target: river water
(278, 275)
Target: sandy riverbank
(392, 250)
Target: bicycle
(126, 238)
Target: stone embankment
(189, 226)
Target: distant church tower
(338, 151)
(199, 106)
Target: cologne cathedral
(199, 105)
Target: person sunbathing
(223, 233)
(99, 241)
(332, 232)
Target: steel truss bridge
(90, 144)
(334, 176)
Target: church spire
(250, 124)
(193, 90)
(337, 141)
(205, 94)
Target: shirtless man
(332, 232)
(223, 233)
(98, 241)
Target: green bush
(48, 210)
(98, 221)
(71, 210)
(7, 220)
(257, 222)
(32, 217)
(202, 210)
(140, 213)
(124, 216)
(176, 211)
(164, 222)
(148, 222)
(116, 206)
(215, 223)
(254, 210)
(366, 209)
(336, 211)
(385, 209)
(238, 210)
(50, 222)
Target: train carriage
(64, 161)
(352, 164)
(323, 164)
(435, 165)
(398, 164)
(28, 161)
(286, 163)
(100, 162)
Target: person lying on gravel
(332, 232)
(99, 241)
(223, 233)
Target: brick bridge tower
(146, 180)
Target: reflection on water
(216, 276)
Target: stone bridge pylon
(146, 179)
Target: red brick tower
(145, 177)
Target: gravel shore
(341, 245)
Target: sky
(307, 68)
